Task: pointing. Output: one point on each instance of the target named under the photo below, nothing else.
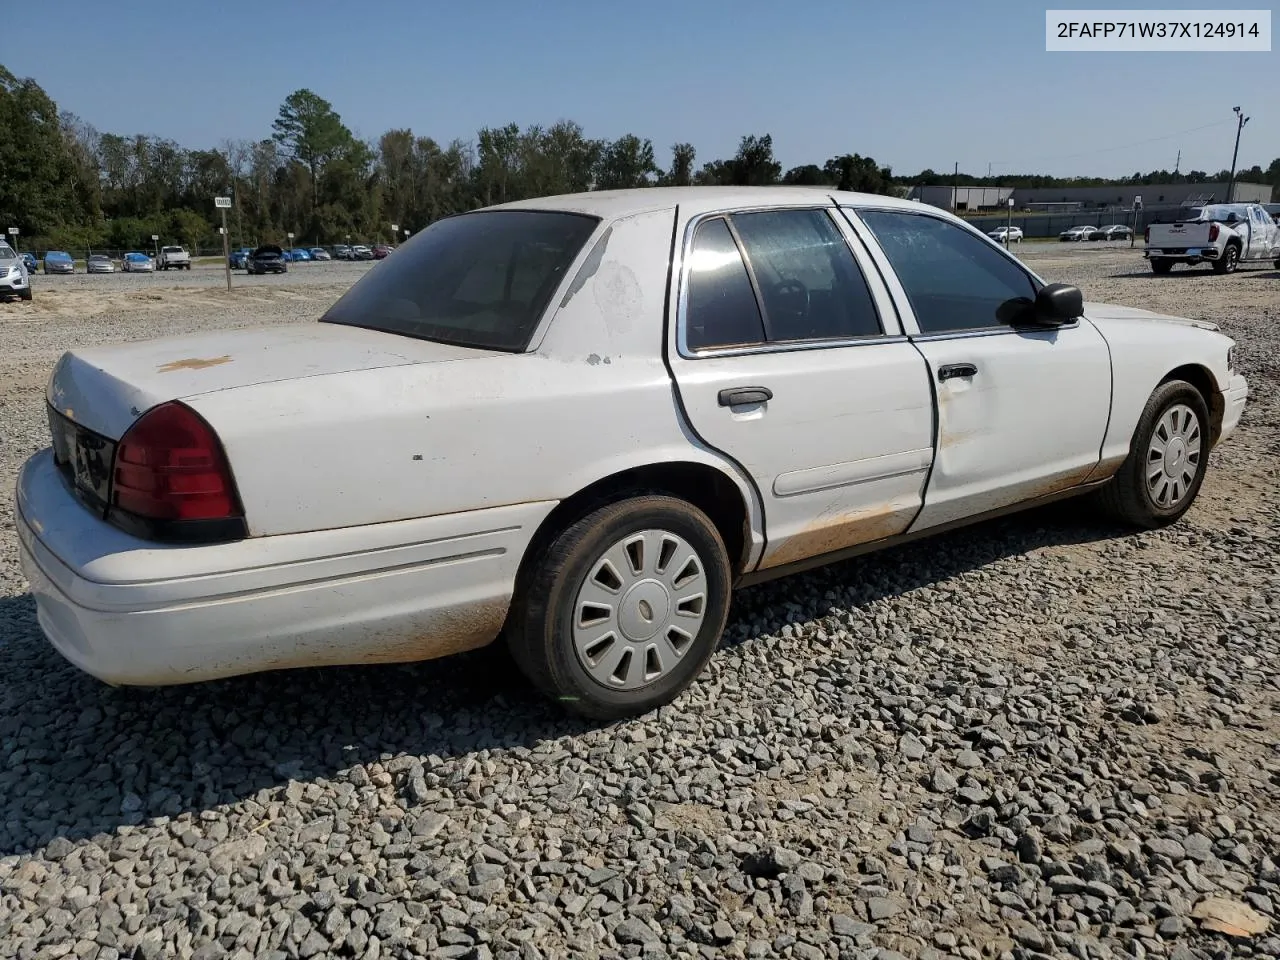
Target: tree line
(67, 185)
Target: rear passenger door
(788, 357)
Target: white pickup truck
(175, 258)
(1224, 234)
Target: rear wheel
(25, 294)
(1229, 260)
(1161, 266)
(1168, 456)
(623, 609)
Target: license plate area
(85, 459)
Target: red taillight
(1213, 232)
(170, 466)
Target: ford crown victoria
(580, 422)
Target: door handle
(951, 370)
(736, 396)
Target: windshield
(6, 252)
(475, 280)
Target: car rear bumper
(1174, 253)
(132, 612)
(1234, 399)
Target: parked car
(239, 257)
(135, 262)
(320, 253)
(1077, 234)
(1223, 234)
(267, 259)
(59, 261)
(31, 263)
(99, 263)
(998, 234)
(361, 252)
(588, 460)
(380, 251)
(15, 278)
(342, 252)
(1117, 231)
(174, 258)
(299, 255)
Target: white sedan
(580, 422)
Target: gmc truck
(175, 258)
(1223, 234)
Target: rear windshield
(479, 279)
(172, 249)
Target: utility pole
(222, 203)
(1177, 163)
(955, 190)
(1241, 120)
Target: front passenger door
(1021, 412)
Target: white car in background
(580, 422)
(15, 281)
(999, 234)
(99, 263)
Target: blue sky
(913, 84)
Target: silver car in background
(14, 279)
(137, 263)
(99, 263)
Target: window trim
(881, 296)
(910, 323)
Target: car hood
(1110, 311)
(107, 388)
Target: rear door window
(810, 284)
(722, 310)
(475, 280)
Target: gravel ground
(1041, 736)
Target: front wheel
(620, 613)
(1168, 456)
(1228, 262)
(25, 294)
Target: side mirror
(1054, 305)
(1058, 303)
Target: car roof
(612, 204)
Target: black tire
(1161, 266)
(1229, 260)
(540, 628)
(26, 294)
(1126, 497)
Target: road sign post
(1133, 233)
(222, 203)
(155, 243)
(13, 233)
(1009, 226)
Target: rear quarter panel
(592, 399)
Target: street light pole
(1241, 120)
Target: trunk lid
(105, 389)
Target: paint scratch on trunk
(192, 363)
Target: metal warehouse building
(1066, 199)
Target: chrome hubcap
(1173, 456)
(639, 609)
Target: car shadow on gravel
(82, 759)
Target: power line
(1125, 146)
